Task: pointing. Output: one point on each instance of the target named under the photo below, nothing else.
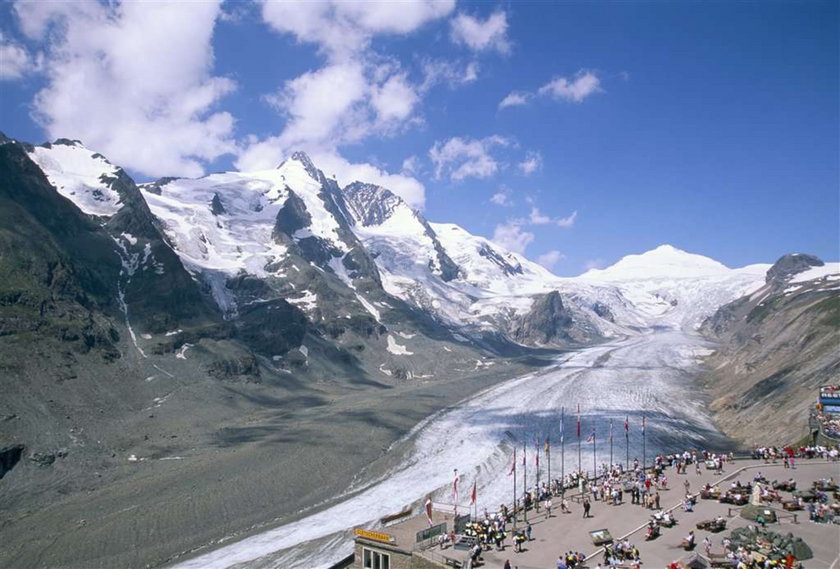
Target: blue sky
(712, 126)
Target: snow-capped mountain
(292, 234)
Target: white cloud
(411, 166)
(583, 85)
(374, 99)
(451, 73)
(537, 218)
(393, 100)
(515, 99)
(356, 94)
(550, 259)
(512, 237)
(461, 158)
(532, 163)
(317, 111)
(342, 28)
(132, 81)
(490, 34)
(502, 197)
(566, 222)
(15, 61)
(593, 264)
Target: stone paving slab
(563, 532)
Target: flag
(611, 429)
(429, 509)
(578, 423)
(537, 459)
(643, 424)
(591, 437)
(547, 446)
(473, 494)
(513, 466)
(627, 424)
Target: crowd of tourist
(616, 485)
(830, 423)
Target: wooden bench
(718, 560)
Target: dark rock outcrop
(791, 264)
(9, 457)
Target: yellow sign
(375, 535)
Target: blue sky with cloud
(574, 132)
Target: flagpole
(594, 460)
(580, 469)
(514, 487)
(548, 459)
(562, 451)
(627, 442)
(644, 447)
(524, 478)
(611, 444)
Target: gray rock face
(508, 268)
(548, 321)
(373, 205)
(216, 206)
(370, 204)
(791, 264)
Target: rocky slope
(215, 353)
(778, 345)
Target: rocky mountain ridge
(778, 345)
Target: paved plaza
(564, 532)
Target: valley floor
(650, 375)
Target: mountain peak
(303, 159)
(661, 262)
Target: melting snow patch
(816, 272)
(181, 355)
(385, 370)
(396, 349)
(309, 301)
(146, 336)
(174, 332)
(276, 358)
(447, 348)
(404, 335)
(130, 238)
(304, 350)
(368, 306)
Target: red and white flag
(473, 494)
(428, 506)
(591, 437)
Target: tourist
(547, 505)
(707, 546)
(564, 505)
(587, 505)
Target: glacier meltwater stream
(652, 374)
